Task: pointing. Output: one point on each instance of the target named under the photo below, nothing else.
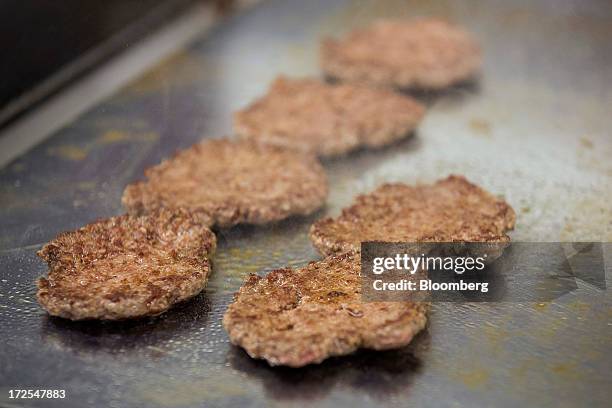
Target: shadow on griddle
(365, 159)
(115, 337)
(286, 227)
(452, 95)
(364, 156)
(377, 373)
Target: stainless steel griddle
(536, 128)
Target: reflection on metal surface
(67, 105)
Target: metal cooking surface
(535, 128)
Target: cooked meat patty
(303, 316)
(424, 54)
(126, 267)
(315, 117)
(229, 182)
(450, 210)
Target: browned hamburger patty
(229, 182)
(303, 316)
(450, 210)
(126, 266)
(324, 119)
(426, 54)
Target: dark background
(41, 38)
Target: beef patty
(424, 54)
(126, 266)
(303, 316)
(311, 116)
(450, 210)
(227, 182)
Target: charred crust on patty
(296, 317)
(425, 53)
(226, 182)
(450, 210)
(311, 116)
(126, 266)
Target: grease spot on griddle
(481, 127)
